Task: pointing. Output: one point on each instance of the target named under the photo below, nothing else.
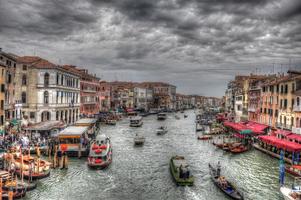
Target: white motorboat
(139, 140)
(162, 130)
(293, 193)
(161, 116)
(136, 121)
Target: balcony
(296, 130)
(297, 108)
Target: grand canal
(143, 172)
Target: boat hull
(179, 181)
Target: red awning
(235, 126)
(279, 143)
(283, 132)
(256, 127)
(294, 137)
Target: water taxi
(136, 121)
(74, 140)
(293, 193)
(161, 116)
(100, 154)
(180, 171)
(111, 122)
(139, 140)
(162, 130)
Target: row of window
(65, 80)
(283, 89)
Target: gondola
(238, 149)
(225, 187)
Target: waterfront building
(296, 128)
(104, 95)
(122, 94)
(142, 97)
(164, 94)
(2, 96)
(10, 62)
(89, 90)
(287, 86)
(45, 91)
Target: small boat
(180, 172)
(177, 117)
(199, 127)
(240, 148)
(161, 116)
(31, 168)
(224, 185)
(182, 111)
(294, 170)
(111, 122)
(139, 140)
(185, 116)
(100, 154)
(162, 130)
(293, 193)
(136, 121)
(205, 137)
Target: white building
(47, 91)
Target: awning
(256, 127)
(283, 132)
(235, 126)
(294, 137)
(246, 132)
(281, 144)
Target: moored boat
(162, 130)
(161, 116)
(223, 184)
(294, 170)
(180, 172)
(111, 122)
(204, 137)
(293, 193)
(28, 166)
(139, 140)
(136, 121)
(238, 148)
(100, 154)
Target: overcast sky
(198, 45)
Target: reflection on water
(143, 172)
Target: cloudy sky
(197, 45)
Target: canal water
(143, 172)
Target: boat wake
(190, 194)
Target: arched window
(298, 101)
(46, 97)
(24, 80)
(46, 79)
(23, 97)
(45, 116)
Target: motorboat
(139, 140)
(180, 171)
(100, 154)
(111, 122)
(161, 116)
(136, 121)
(162, 130)
(292, 193)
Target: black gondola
(226, 187)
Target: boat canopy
(282, 144)
(75, 131)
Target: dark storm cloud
(189, 42)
